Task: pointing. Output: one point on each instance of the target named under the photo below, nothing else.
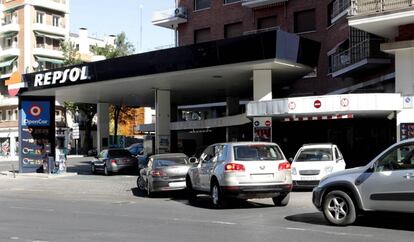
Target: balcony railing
(256, 31)
(369, 48)
(170, 18)
(360, 7)
(339, 6)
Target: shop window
(40, 17)
(233, 30)
(304, 21)
(231, 1)
(201, 4)
(201, 35)
(267, 22)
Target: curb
(39, 175)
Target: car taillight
(158, 173)
(284, 166)
(234, 167)
(113, 161)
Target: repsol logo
(60, 77)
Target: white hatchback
(314, 161)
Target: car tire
(106, 171)
(338, 208)
(93, 169)
(191, 194)
(216, 194)
(282, 200)
(141, 183)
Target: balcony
(362, 57)
(11, 26)
(170, 18)
(57, 5)
(260, 3)
(381, 17)
(51, 53)
(339, 8)
(50, 29)
(9, 52)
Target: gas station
(247, 69)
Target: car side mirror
(193, 160)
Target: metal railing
(369, 48)
(359, 7)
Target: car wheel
(141, 183)
(338, 208)
(281, 200)
(217, 196)
(93, 169)
(192, 195)
(106, 171)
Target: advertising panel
(407, 131)
(36, 132)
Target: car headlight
(294, 172)
(328, 169)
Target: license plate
(177, 184)
(308, 178)
(262, 176)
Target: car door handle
(409, 176)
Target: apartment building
(350, 61)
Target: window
(304, 21)
(257, 152)
(40, 42)
(1, 115)
(400, 158)
(15, 114)
(56, 20)
(233, 30)
(267, 22)
(201, 35)
(201, 4)
(9, 114)
(231, 1)
(40, 17)
(337, 9)
(56, 44)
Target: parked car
(114, 160)
(242, 170)
(164, 172)
(314, 161)
(384, 184)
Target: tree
(120, 114)
(70, 53)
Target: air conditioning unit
(180, 12)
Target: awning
(7, 63)
(8, 34)
(54, 61)
(41, 34)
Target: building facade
(350, 61)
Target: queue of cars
(244, 170)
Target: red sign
(292, 105)
(268, 123)
(317, 104)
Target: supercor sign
(51, 78)
(35, 113)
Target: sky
(107, 17)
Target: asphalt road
(99, 208)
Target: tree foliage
(70, 53)
(121, 47)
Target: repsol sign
(61, 77)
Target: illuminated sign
(35, 113)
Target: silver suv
(241, 170)
(385, 184)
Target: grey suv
(385, 184)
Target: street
(98, 208)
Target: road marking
(204, 221)
(33, 209)
(14, 238)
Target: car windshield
(257, 152)
(171, 161)
(118, 153)
(315, 154)
(135, 149)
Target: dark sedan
(164, 172)
(114, 160)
